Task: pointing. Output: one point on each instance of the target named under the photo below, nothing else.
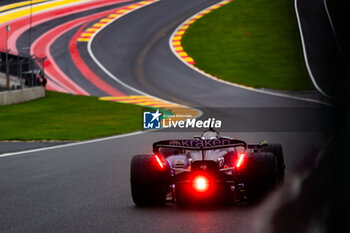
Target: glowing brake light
(159, 162)
(201, 184)
(240, 160)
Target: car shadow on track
(207, 207)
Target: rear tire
(148, 181)
(276, 149)
(260, 176)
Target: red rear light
(201, 183)
(240, 160)
(159, 162)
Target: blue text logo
(151, 120)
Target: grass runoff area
(67, 117)
(254, 43)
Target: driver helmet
(210, 134)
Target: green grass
(66, 117)
(254, 43)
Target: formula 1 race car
(206, 169)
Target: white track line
(304, 51)
(72, 144)
(331, 23)
(238, 85)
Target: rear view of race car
(207, 169)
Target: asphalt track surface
(85, 187)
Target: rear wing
(199, 144)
